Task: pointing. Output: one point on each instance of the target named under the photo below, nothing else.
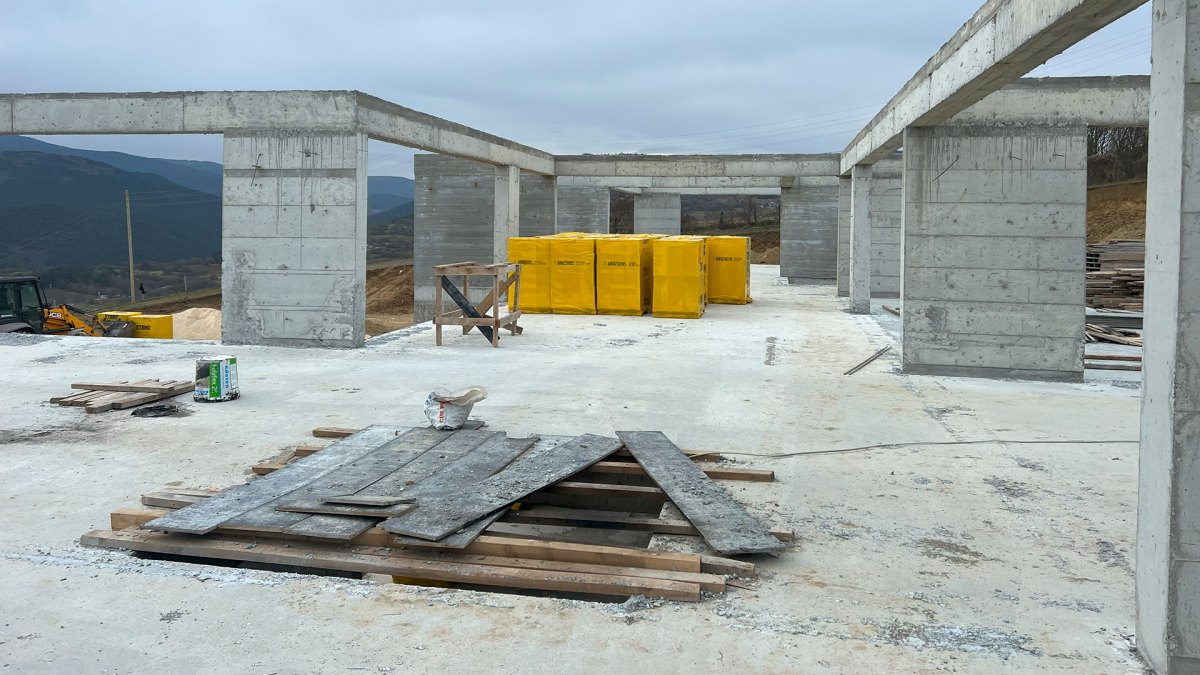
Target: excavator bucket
(118, 329)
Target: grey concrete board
(1003, 40)
(993, 318)
(978, 219)
(1010, 253)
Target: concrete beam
(693, 166)
(215, 112)
(1093, 101)
(756, 192)
(396, 124)
(672, 183)
(1003, 40)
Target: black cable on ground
(917, 444)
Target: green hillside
(58, 210)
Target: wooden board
(354, 475)
(203, 517)
(722, 522)
(146, 386)
(437, 517)
(383, 561)
(715, 471)
(458, 468)
(553, 515)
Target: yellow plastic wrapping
(572, 275)
(623, 275)
(533, 255)
(729, 270)
(160, 326)
(680, 281)
(117, 316)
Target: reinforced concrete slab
(981, 558)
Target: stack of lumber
(1116, 275)
(1097, 333)
(96, 397)
(471, 507)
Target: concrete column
(294, 238)
(886, 203)
(582, 209)
(860, 239)
(1168, 533)
(994, 229)
(656, 213)
(537, 205)
(454, 220)
(507, 209)
(808, 230)
(843, 259)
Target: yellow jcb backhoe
(23, 309)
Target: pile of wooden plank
(96, 397)
(1097, 333)
(1112, 362)
(469, 507)
(1116, 275)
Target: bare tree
(1117, 154)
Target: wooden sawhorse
(505, 276)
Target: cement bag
(450, 409)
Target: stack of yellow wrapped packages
(630, 274)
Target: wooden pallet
(531, 545)
(96, 397)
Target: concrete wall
(294, 238)
(887, 184)
(808, 230)
(537, 205)
(583, 208)
(656, 213)
(994, 229)
(452, 220)
(1168, 521)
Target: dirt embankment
(1117, 211)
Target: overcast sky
(669, 76)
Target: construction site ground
(975, 557)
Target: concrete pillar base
(294, 238)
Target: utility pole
(129, 241)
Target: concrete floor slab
(991, 557)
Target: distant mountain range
(64, 206)
(58, 210)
